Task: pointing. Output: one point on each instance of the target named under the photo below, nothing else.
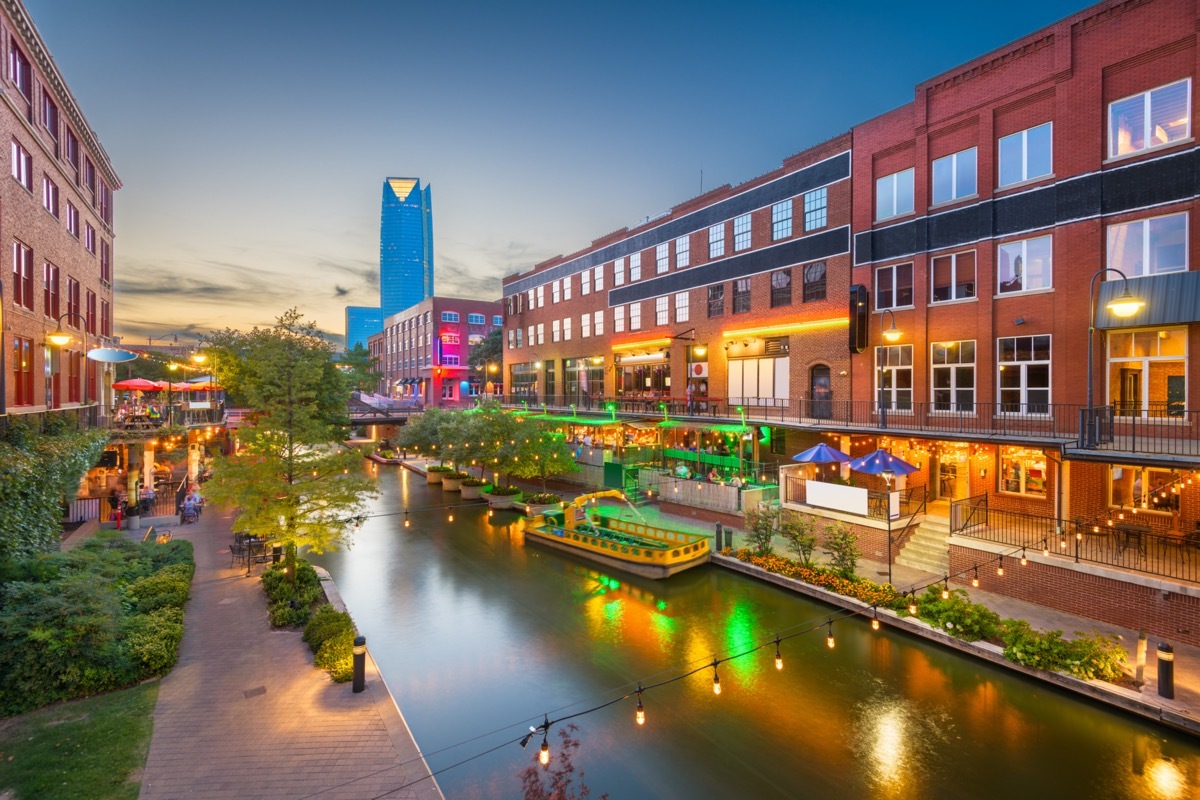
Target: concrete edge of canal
(1115, 696)
(427, 787)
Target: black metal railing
(1140, 543)
(794, 489)
(967, 512)
(1173, 433)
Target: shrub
(1097, 656)
(474, 482)
(543, 499)
(284, 615)
(457, 476)
(957, 615)
(169, 587)
(761, 524)
(154, 640)
(290, 604)
(504, 491)
(337, 656)
(797, 531)
(176, 551)
(861, 589)
(439, 468)
(1032, 648)
(841, 545)
(325, 623)
(1094, 656)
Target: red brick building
(423, 352)
(56, 221)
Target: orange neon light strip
(795, 327)
(641, 344)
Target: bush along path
(1088, 656)
(329, 633)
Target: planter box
(434, 477)
(472, 492)
(451, 484)
(502, 501)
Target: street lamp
(60, 338)
(1126, 305)
(887, 476)
(890, 335)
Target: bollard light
(360, 664)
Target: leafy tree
(762, 523)
(422, 433)
(798, 532)
(360, 369)
(538, 452)
(841, 545)
(292, 481)
(491, 349)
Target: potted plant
(435, 472)
(541, 502)
(472, 487)
(502, 496)
(452, 481)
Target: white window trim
(892, 267)
(1110, 360)
(954, 380)
(1024, 134)
(1000, 412)
(895, 185)
(1145, 223)
(1146, 120)
(954, 196)
(716, 243)
(1024, 256)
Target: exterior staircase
(928, 548)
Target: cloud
(339, 291)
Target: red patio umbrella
(138, 385)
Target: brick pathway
(245, 715)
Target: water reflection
(477, 632)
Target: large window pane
(1012, 159)
(1168, 243)
(1039, 151)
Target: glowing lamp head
(640, 716)
(59, 338)
(874, 623)
(544, 754)
(716, 684)
(829, 640)
(912, 607)
(892, 334)
(199, 358)
(1126, 305)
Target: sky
(252, 137)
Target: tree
(761, 525)
(292, 480)
(538, 452)
(422, 433)
(491, 349)
(841, 545)
(360, 369)
(797, 530)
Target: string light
(778, 655)
(544, 754)
(716, 678)
(1024, 560)
(640, 715)
(829, 636)
(946, 588)
(874, 618)
(975, 579)
(1000, 567)
(912, 604)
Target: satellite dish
(111, 355)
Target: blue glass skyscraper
(405, 245)
(361, 322)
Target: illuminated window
(1147, 372)
(1149, 246)
(1150, 119)
(952, 365)
(1022, 471)
(1024, 380)
(894, 365)
(1146, 488)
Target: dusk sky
(252, 138)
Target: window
(49, 195)
(567, 329)
(89, 177)
(635, 267)
(585, 326)
(105, 319)
(815, 205)
(662, 258)
(716, 241)
(953, 277)
(953, 368)
(893, 364)
(532, 299)
(716, 300)
(73, 305)
(619, 319)
(1148, 488)
(1022, 471)
(781, 287)
(682, 307)
(22, 276)
(73, 152)
(635, 316)
(22, 361)
(1024, 381)
(555, 291)
(19, 70)
(598, 323)
(618, 273)
(585, 282)
(1026, 154)
(598, 278)
(1025, 265)
(683, 252)
(760, 381)
(1147, 372)
(741, 296)
(541, 296)
(741, 232)
(450, 360)
(72, 219)
(781, 220)
(954, 176)
(512, 339)
(89, 237)
(814, 282)
(555, 331)
(1149, 246)
(520, 338)
(1150, 119)
(22, 165)
(90, 312)
(893, 287)
(566, 284)
(50, 291)
(476, 319)
(662, 310)
(497, 320)
(541, 333)
(449, 338)
(894, 194)
(106, 203)
(449, 316)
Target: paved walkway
(245, 715)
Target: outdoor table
(1131, 536)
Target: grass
(91, 749)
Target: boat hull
(641, 568)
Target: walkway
(245, 715)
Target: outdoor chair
(237, 551)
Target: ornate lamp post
(1124, 306)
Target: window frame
(781, 220)
(683, 307)
(814, 290)
(1147, 117)
(1024, 256)
(957, 176)
(952, 368)
(662, 258)
(1145, 223)
(716, 240)
(476, 319)
(893, 402)
(1024, 389)
(893, 190)
(716, 300)
(954, 282)
(1024, 143)
(683, 252)
(895, 293)
(742, 291)
(662, 310)
(781, 287)
(635, 316)
(635, 267)
(816, 209)
(449, 316)
(742, 232)
(22, 165)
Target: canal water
(480, 635)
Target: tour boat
(599, 533)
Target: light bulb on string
(1000, 567)
(912, 605)
(975, 579)
(829, 636)
(1045, 549)
(450, 518)
(544, 754)
(716, 678)
(1024, 560)
(874, 618)
(946, 588)
(640, 714)
(778, 655)
(407, 521)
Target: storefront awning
(589, 421)
(643, 424)
(728, 428)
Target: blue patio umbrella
(821, 454)
(882, 461)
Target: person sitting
(683, 471)
(714, 476)
(188, 510)
(736, 481)
(152, 413)
(146, 498)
